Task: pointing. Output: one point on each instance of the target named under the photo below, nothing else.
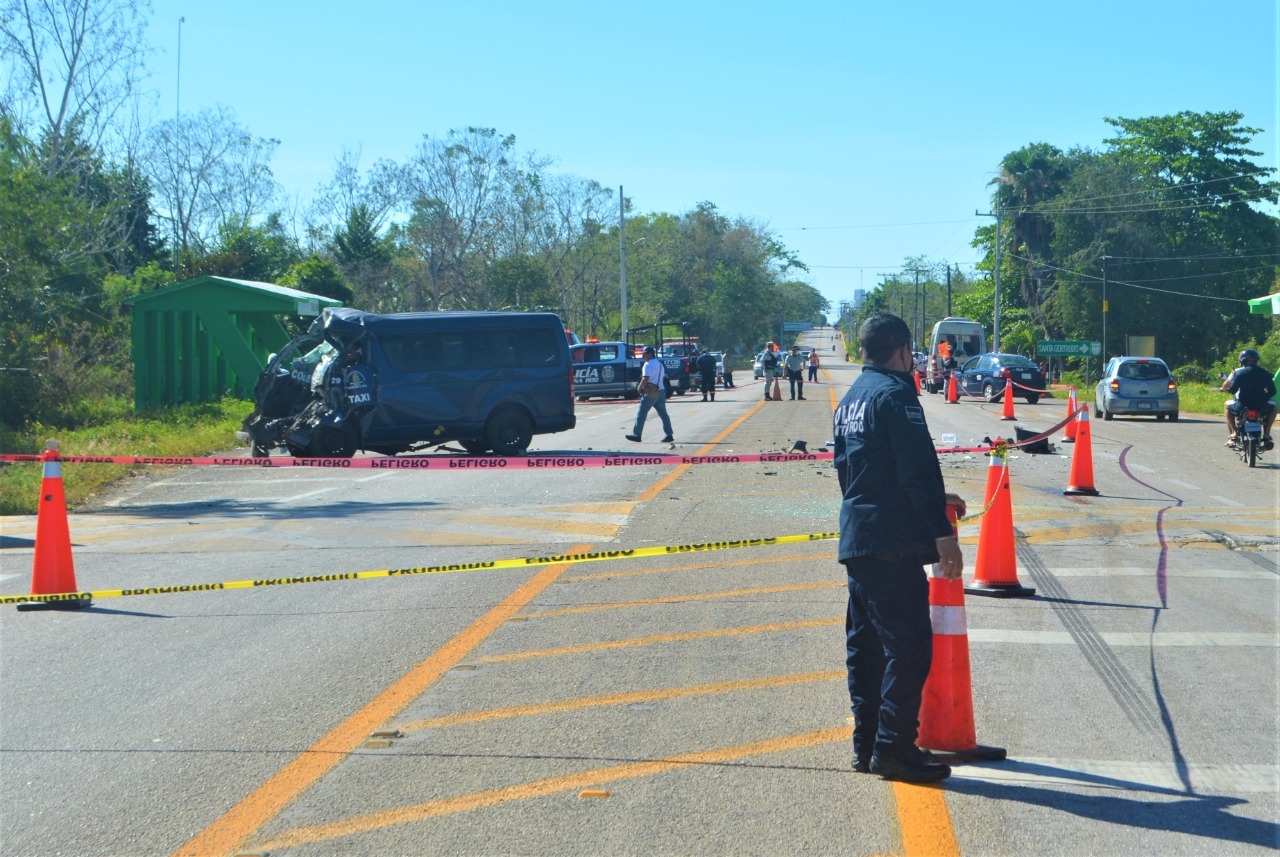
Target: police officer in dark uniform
(706, 366)
(892, 522)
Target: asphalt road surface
(685, 703)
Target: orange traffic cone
(777, 390)
(916, 375)
(946, 707)
(953, 394)
(1069, 436)
(1082, 459)
(995, 571)
(1007, 413)
(54, 573)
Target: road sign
(1068, 348)
(796, 326)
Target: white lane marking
(1140, 468)
(1226, 501)
(1176, 639)
(1181, 573)
(1113, 773)
(7, 576)
(1182, 484)
(383, 475)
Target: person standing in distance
(893, 522)
(769, 363)
(795, 372)
(706, 365)
(653, 394)
(813, 366)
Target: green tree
(318, 276)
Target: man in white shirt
(653, 375)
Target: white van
(967, 339)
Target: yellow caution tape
(519, 562)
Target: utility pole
(916, 314)
(949, 291)
(995, 332)
(1104, 310)
(622, 248)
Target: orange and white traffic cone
(777, 390)
(53, 573)
(995, 571)
(1081, 481)
(1069, 436)
(1007, 413)
(946, 707)
(953, 393)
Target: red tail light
(1173, 386)
(1115, 385)
(1251, 415)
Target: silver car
(1137, 386)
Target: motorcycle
(1249, 438)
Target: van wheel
(1032, 398)
(1173, 417)
(329, 441)
(475, 446)
(509, 432)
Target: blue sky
(860, 132)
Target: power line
(1111, 282)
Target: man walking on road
(653, 394)
(892, 522)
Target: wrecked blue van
(403, 382)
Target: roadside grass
(198, 429)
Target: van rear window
(471, 349)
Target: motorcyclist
(1253, 388)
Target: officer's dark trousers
(890, 647)
(797, 382)
(708, 384)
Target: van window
(471, 349)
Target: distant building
(859, 298)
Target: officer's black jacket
(894, 500)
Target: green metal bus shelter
(202, 339)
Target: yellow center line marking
(701, 565)
(551, 785)
(228, 833)
(661, 484)
(662, 638)
(613, 699)
(925, 821)
(681, 599)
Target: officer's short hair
(881, 335)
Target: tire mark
(1121, 685)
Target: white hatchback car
(1137, 386)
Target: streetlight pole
(622, 245)
(177, 130)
